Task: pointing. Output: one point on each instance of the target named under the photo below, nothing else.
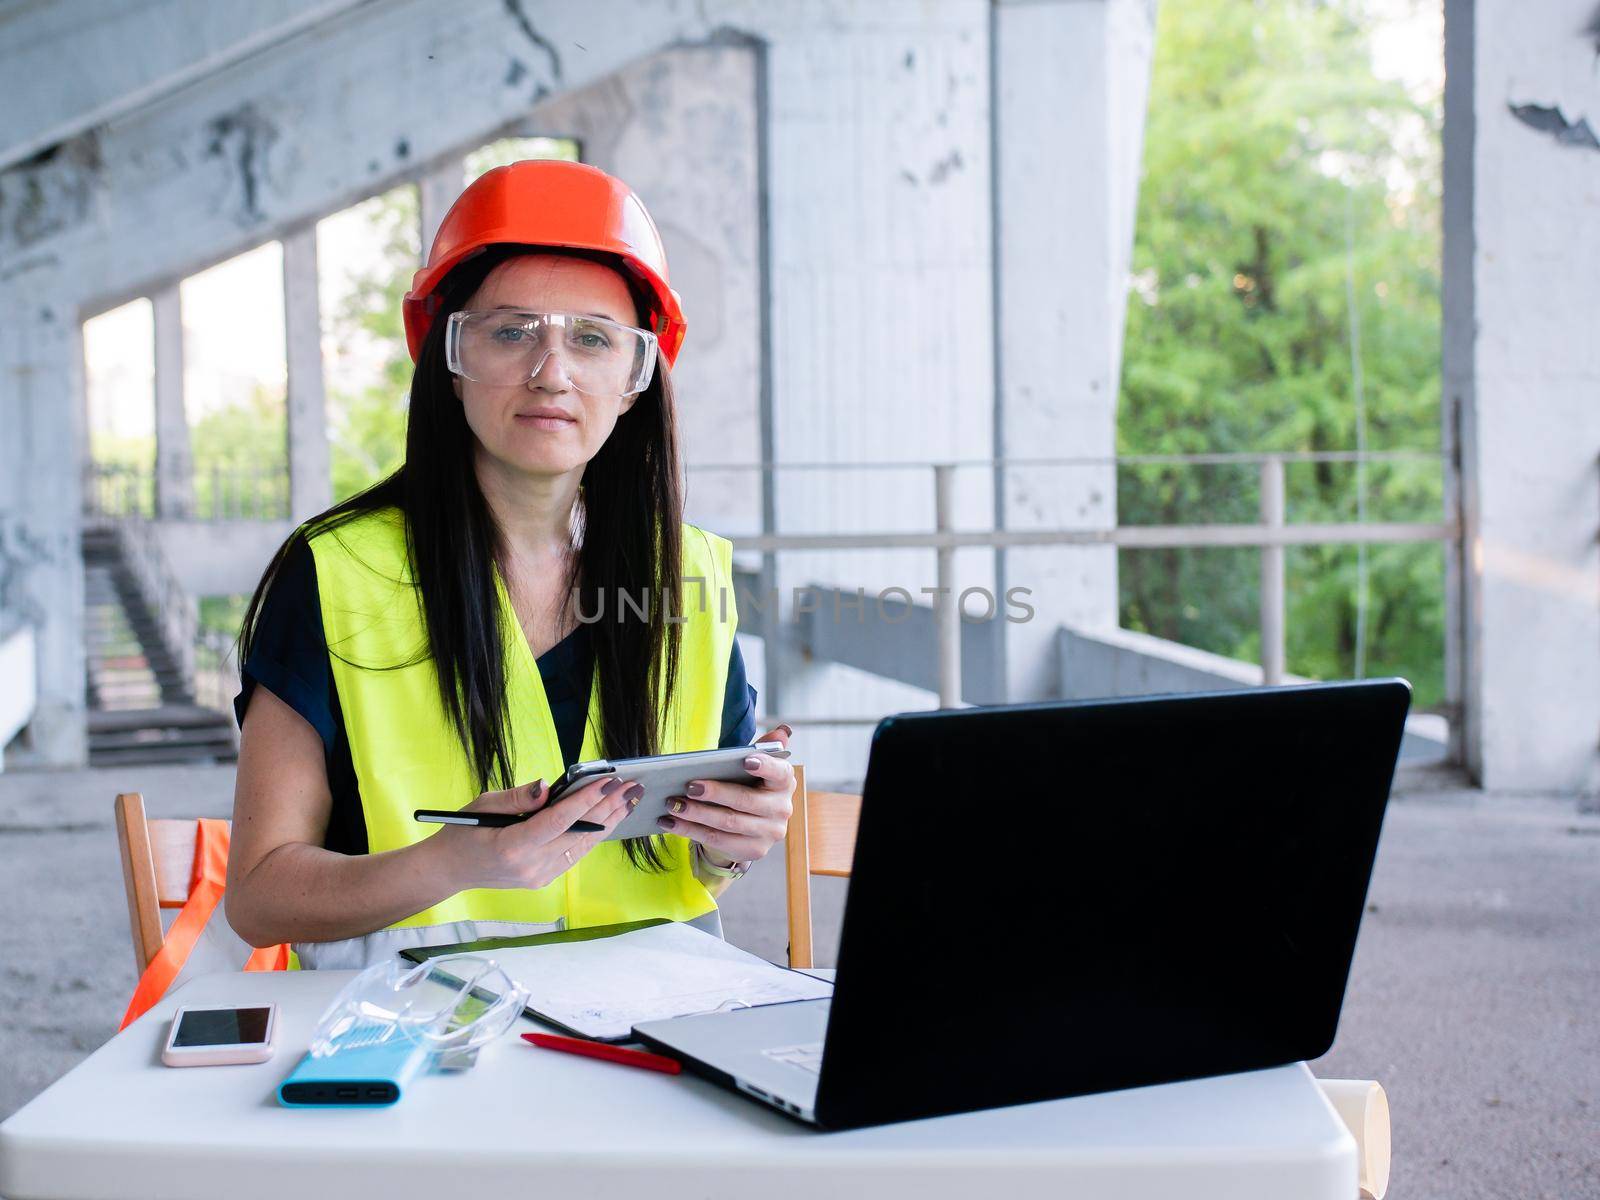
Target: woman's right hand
(535, 852)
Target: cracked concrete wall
(1522, 371)
(882, 337)
(178, 41)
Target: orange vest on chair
(194, 922)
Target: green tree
(241, 458)
(1278, 167)
(367, 427)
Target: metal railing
(1272, 534)
(118, 490)
(216, 671)
(263, 494)
(176, 612)
(220, 493)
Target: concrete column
(1522, 375)
(310, 481)
(42, 412)
(1065, 192)
(436, 192)
(174, 455)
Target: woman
(520, 595)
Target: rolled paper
(1364, 1109)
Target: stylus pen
(439, 816)
(616, 1054)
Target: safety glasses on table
(506, 348)
(451, 1003)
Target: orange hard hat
(550, 202)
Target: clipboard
(553, 1003)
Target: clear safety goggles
(456, 1002)
(505, 348)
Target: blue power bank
(362, 1076)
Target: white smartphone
(214, 1037)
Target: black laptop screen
(1075, 897)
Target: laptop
(1055, 898)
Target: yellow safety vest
(407, 755)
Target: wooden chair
(157, 861)
(821, 841)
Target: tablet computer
(663, 776)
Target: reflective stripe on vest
(407, 756)
(198, 918)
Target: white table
(528, 1122)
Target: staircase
(141, 706)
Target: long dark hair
(630, 510)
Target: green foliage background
(1277, 167)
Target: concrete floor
(1474, 999)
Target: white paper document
(602, 988)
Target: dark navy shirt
(290, 659)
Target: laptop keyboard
(807, 1057)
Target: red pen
(616, 1054)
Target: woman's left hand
(738, 822)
